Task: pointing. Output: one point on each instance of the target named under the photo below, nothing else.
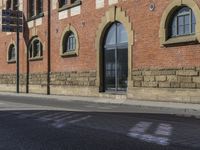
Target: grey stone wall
(86, 78)
(167, 78)
(11, 79)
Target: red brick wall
(146, 51)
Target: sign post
(12, 21)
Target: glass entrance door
(116, 58)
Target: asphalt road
(33, 124)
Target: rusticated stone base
(165, 94)
(74, 90)
(65, 83)
(167, 78)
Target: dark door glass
(116, 58)
(109, 69)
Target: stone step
(113, 95)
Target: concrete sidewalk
(123, 105)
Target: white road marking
(49, 116)
(160, 136)
(80, 119)
(62, 122)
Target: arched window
(35, 8)
(183, 22)
(69, 42)
(11, 53)
(11, 4)
(8, 4)
(63, 3)
(35, 49)
(180, 23)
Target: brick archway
(112, 15)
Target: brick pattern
(167, 78)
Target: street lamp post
(17, 50)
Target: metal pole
(49, 49)
(17, 51)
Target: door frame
(112, 15)
(114, 47)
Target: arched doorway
(115, 58)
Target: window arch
(35, 49)
(69, 42)
(183, 22)
(11, 53)
(180, 23)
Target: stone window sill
(35, 17)
(181, 40)
(35, 58)
(68, 54)
(11, 61)
(65, 7)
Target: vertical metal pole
(17, 51)
(49, 48)
(116, 63)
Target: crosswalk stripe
(49, 116)
(80, 119)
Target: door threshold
(116, 93)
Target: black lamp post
(17, 50)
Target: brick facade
(151, 64)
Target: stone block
(172, 78)
(188, 85)
(175, 85)
(147, 73)
(196, 79)
(198, 85)
(164, 84)
(136, 73)
(184, 79)
(93, 74)
(161, 78)
(149, 78)
(167, 72)
(137, 84)
(83, 79)
(187, 72)
(92, 83)
(159, 72)
(92, 78)
(137, 78)
(149, 84)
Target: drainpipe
(49, 47)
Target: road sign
(11, 13)
(10, 21)
(10, 28)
